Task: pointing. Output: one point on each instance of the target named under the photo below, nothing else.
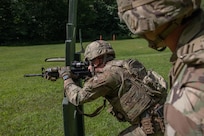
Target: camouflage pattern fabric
(98, 48)
(184, 108)
(143, 16)
(146, 15)
(113, 83)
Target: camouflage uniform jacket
(112, 83)
(184, 109)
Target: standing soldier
(135, 94)
(178, 25)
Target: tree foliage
(23, 21)
(99, 17)
(37, 21)
(29, 20)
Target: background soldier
(179, 25)
(135, 94)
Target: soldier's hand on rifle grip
(65, 73)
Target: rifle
(78, 70)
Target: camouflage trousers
(135, 130)
(184, 108)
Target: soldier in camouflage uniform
(135, 94)
(178, 25)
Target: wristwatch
(65, 77)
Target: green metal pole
(73, 121)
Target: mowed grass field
(33, 106)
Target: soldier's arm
(95, 87)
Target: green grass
(33, 106)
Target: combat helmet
(98, 48)
(147, 15)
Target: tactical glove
(51, 73)
(65, 73)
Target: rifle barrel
(32, 75)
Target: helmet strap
(104, 59)
(162, 36)
(92, 68)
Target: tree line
(36, 21)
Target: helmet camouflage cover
(98, 48)
(146, 15)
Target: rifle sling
(96, 112)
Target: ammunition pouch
(152, 120)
